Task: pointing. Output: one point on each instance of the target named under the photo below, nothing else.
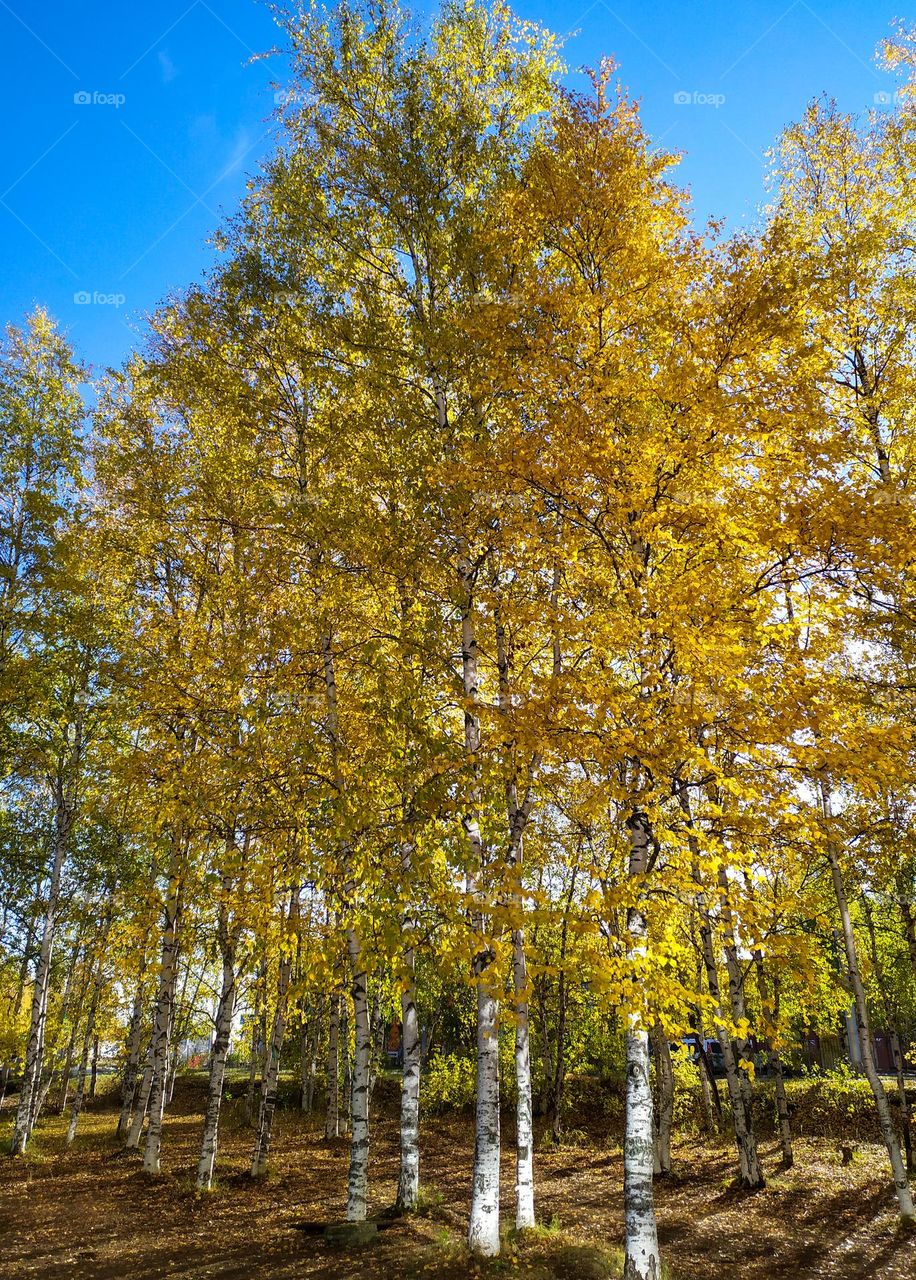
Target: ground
(91, 1214)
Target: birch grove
(476, 626)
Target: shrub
(449, 1081)
(686, 1088)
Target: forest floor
(91, 1214)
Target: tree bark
(518, 815)
(94, 1071)
(642, 1257)
(332, 1111)
(306, 1057)
(225, 1012)
(740, 1048)
(274, 1048)
(663, 1110)
(163, 1012)
(901, 1183)
(88, 1039)
(524, 1140)
(484, 1224)
(258, 1038)
(892, 1020)
(346, 1061)
(358, 1181)
(409, 1175)
(739, 1092)
(132, 1060)
(483, 1228)
(64, 813)
(770, 1008)
(907, 914)
(143, 1094)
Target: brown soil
(91, 1214)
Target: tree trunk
(540, 990)
(377, 1037)
(182, 1017)
(901, 1183)
(770, 1010)
(332, 1112)
(524, 1142)
(132, 1061)
(94, 1073)
(346, 1060)
(711, 1102)
(88, 1040)
(305, 1056)
(31, 1078)
(225, 1011)
(70, 1051)
(751, 1173)
(643, 1260)
(357, 1187)
(555, 1110)
(45, 1088)
(739, 1092)
(143, 1093)
(663, 1110)
(517, 815)
(409, 1176)
(905, 902)
(892, 1019)
(484, 1225)
(258, 1038)
(740, 1087)
(162, 1015)
(274, 1048)
(483, 1228)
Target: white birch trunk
(28, 1095)
(274, 1048)
(136, 1125)
(358, 1181)
(518, 818)
(483, 1235)
(524, 1154)
(84, 1059)
(750, 1169)
(222, 1036)
(643, 1260)
(162, 1016)
(739, 1091)
(132, 1061)
(483, 1228)
(885, 1120)
(64, 1013)
(741, 1048)
(409, 1178)
(409, 1173)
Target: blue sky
(130, 129)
